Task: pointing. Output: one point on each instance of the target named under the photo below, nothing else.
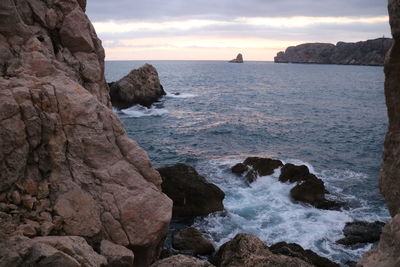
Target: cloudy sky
(219, 29)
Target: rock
(296, 251)
(181, 261)
(387, 252)
(49, 251)
(192, 239)
(370, 52)
(116, 255)
(46, 228)
(27, 230)
(239, 168)
(16, 197)
(190, 192)
(292, 173)
(361, 232)
(141, 86)
(238, 59)
(61, 145)
(249, 250)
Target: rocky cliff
(67, 167)
(388, 250)
(370, 52)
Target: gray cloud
(158, 10)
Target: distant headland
(370, 52)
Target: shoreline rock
(191, 239)
(370, 52)
(141, 86)
(361, 232)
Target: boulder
(370, 52)
(141, 86)
(307, 255)
(116, 255)
(361, 232)
(255, 167)
(249, 250)
(61, 145)
(190, 192)
(292, 173)
(181, 261)
(238, 59)
(71, 251)
(191, 239)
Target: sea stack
(70, 177)
(238, 59)
(141, 86)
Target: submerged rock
(141, 86)
(249, 250)
(238, 59)
(295, 250)
(361, 232)
(370, 52)
(181, 261)
(190, 192)
(191, 239)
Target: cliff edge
(67, 166)
(370, 52)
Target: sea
(330, 118)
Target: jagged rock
(141, 86)
(116, 255)
(238, 59)
(181, 261)
(307, 255)
(60, 142)
(292, 173)
(361, 232)
(192, 195)
(370, 52)
(71, 251)
(387, 252)
(191, 239)
(249, 250)
(256, 166)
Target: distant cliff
(370, 52)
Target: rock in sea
(238, 59)
(361, 232)
(191, 239)
(141, 86)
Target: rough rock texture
(66, 161)
(388, 250)
(370, 52)
(295, 250)
(361, 232)
(192, 195)
(141, 86)
(181, 261)
(238, 59)
(70, 251)
(116, 255)
(255, 167)
(292, 173)
(249, 250)
(191, 239)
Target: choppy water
(332, 118)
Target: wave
(179, 95)
(138, 111)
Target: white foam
(138, 111)
(179, 95)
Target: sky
(220, 29)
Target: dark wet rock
(192, 195)
(239, 168)
(295, 250)
(292, 173)
(181, 261)
(238, 59)
(251, 176)
(191, 239)
(361, 232)
(351, 263)
(141, 86)
(249, 250)
(370, 52)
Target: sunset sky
(219, 29)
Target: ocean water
(331, 118)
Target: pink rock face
(59, 140)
